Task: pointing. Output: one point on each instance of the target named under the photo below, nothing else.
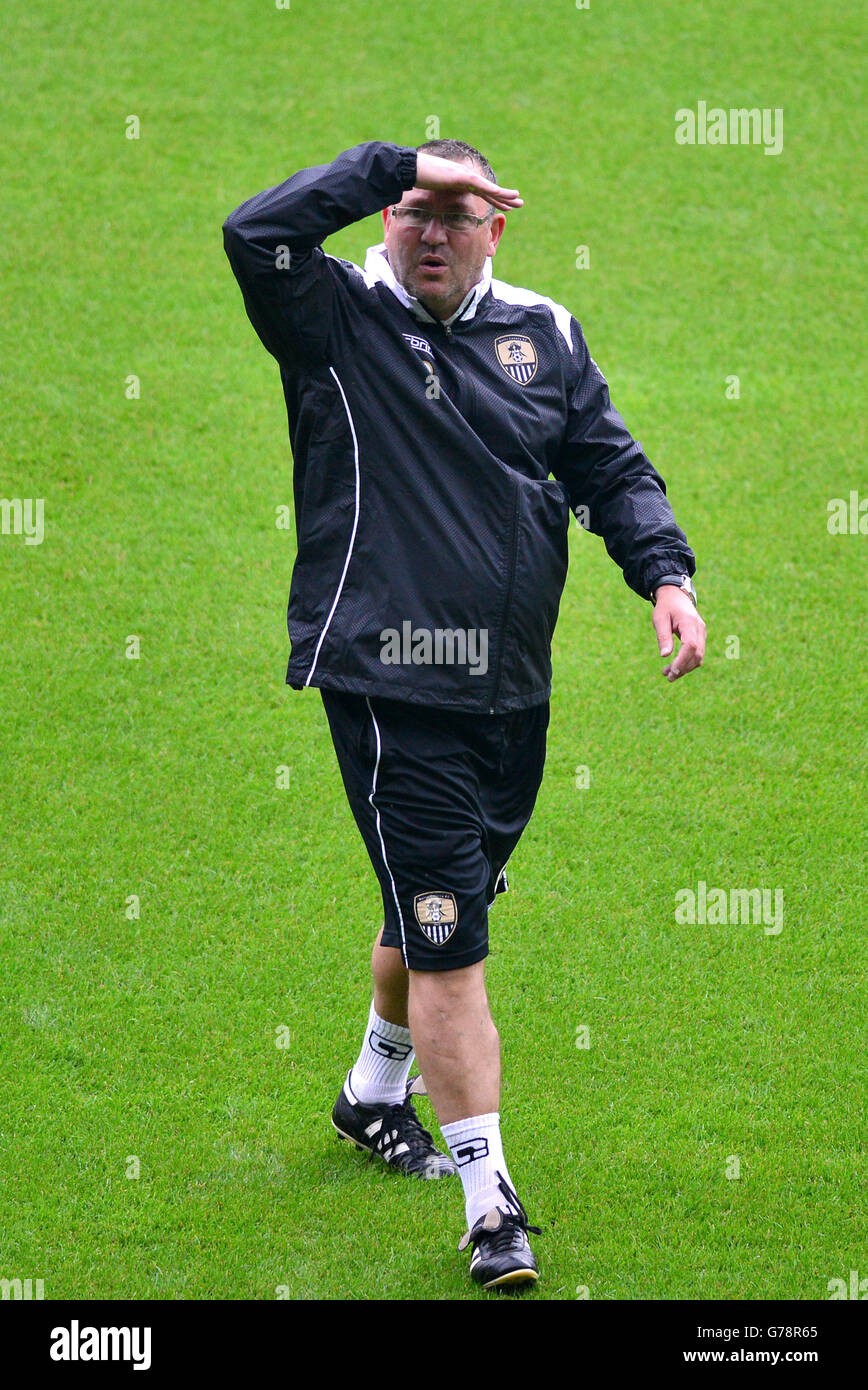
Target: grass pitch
(156, 1142)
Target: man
(443, 425)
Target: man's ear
(385, 220)
(497, 227)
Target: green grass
(155, 1037)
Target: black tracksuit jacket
(435, 465)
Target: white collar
(377, 268)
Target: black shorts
(441, 799)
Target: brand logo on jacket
(437, 915)
(423, 347)
(517, 356)
(420, 344)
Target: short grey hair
(461, 151)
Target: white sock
(477, 1150)
(379, 1077)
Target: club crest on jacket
(517, 356)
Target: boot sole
(513, 1277)
(363, 1148)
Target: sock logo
(470, 1151)
(389, 1047)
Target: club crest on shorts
(437, 915)
(517, 356)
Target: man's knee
(450, 994)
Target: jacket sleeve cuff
(407, 167)
(675, 563)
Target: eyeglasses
(452, 221)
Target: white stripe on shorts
(380, 833)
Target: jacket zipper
(513, 539)
(513, 546)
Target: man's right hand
(450, 176)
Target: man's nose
(434, 231)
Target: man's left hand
(675, 614)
